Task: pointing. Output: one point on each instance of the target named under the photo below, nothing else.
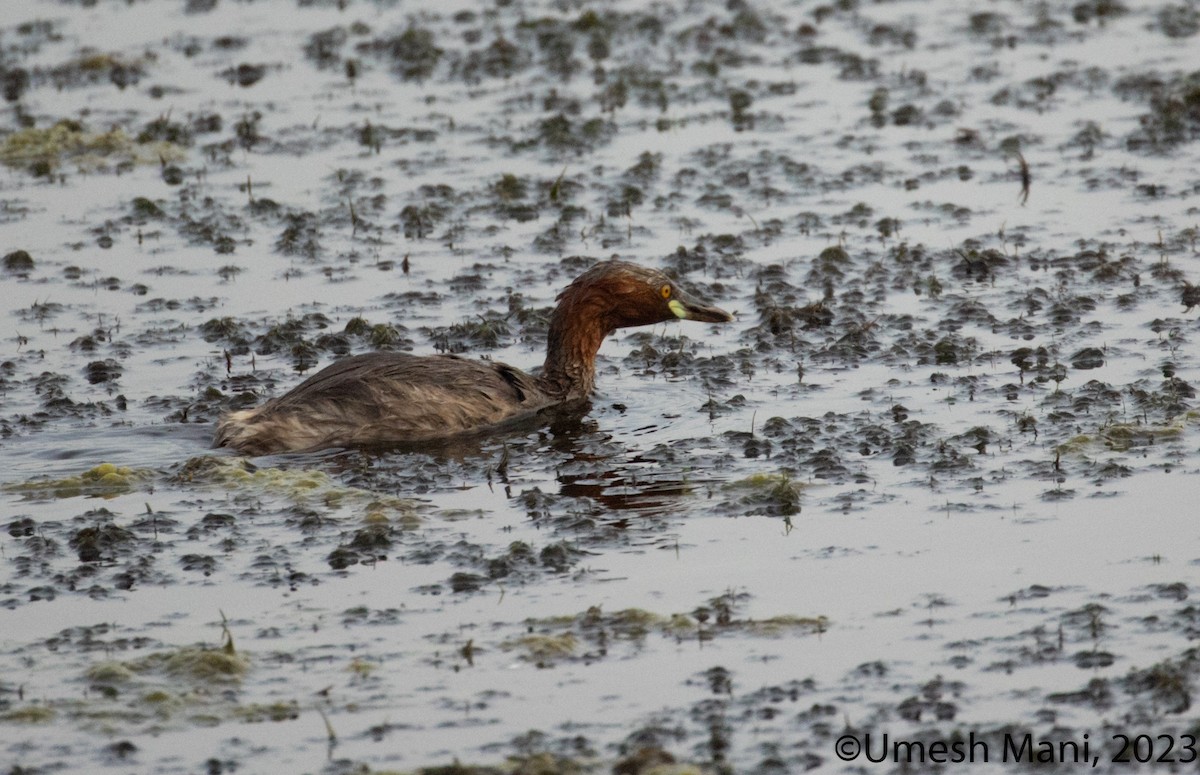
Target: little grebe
(389, 398)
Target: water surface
(935, 480)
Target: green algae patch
(31, 714)
(103, 481)
(174, 688)
(305, 486)
(458, 515)
(44, 150)
(770, 494)
(635, 622)
(195, 664)
(590, 634)
(544, 649)
(110, 673)
(680, 626)
(1122, 437)
(204, 665)
(361, 668)
(178, 690)
(777, 626)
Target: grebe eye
(666, 291)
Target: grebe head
(610, 295)
(617, 294)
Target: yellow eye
(666, 291)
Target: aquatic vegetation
(92, 66)
(556, 639)
(181, 687)
(44, 151)
(772, 495)
(195, 664)
(300, 236)
(300, 485)
(18, 262)
(1087, 11)
(277, 712)
(966, 302)
(545, 649)
(1122, 437)
(788, 624)
(103, 481)
(1174, 116)
(225, 329)
(413, 53)
(1179, 21)
(106, 371)
(30, 714)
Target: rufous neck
(576, 333)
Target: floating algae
(103, 481)
(1122, 437)
(304, 485)
(558, 638)
(544, 649)
(776, 495)
(43, 151)
(32, 714)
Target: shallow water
(873, 515)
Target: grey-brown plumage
(391, 398)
